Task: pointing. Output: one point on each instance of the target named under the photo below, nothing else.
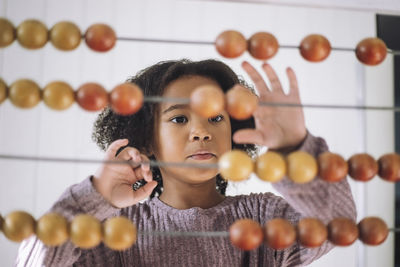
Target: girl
(193, 199)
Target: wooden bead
(270, 167)
(279, 233)
(32, 34)
(311, 232)
(65, 36)
(7, 33)
(1, 223)
(246, 234)
(362, 167)
(92, 97)
(100, 37)
(342, 231)
(389, 167)
(302, 167)
(208, 101)
(58, 95)
(24, 93)
(231, 44)
(18, 225)
(3, 91)
(85, 231)
(263, 45)
(315, 48)
(119, 233)
(126, 99)
(235, 165)
(332, 167)
(373, 231)
(241, 102)
(371, 51)
(52, 229)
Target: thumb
(249, 136)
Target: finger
(249, 136)
(276, 85)
(294, 87)
(144, 191)
(258, 80)
(114, 147)
(145, 166)
(123, 195)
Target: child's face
(180, 133)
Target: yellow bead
(32, 34)
(18, 225)
(235, 165)
(270, 167)
(119, 233)
(302, 167)
(3, 91)
(7, 33)
(24, 93)
(58, 95)
(85, 231)
(52, 229)
(65, 36)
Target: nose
(199, 133)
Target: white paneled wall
(341, 79)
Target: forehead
(184, 86)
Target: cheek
(170, 141)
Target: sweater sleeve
(79, 198)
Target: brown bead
(208, 101)
(371, 51)
(7, 32)
(65, 36)
(389, 167)
(24, 93)
(119, 233)
(100, 37)
(270, 167)
(3, 91)
(52, 229)
(263, 45)
(1, 223)
(279, 233)
(332, 167)
(315, 48)
(235, 165)
(126, 99)
(32, 34)
(231, 44)
(85, 231)
(302, 167)
(246, 234)
(241, 102)
(362, 167)
(373, 231)
(18, 225)
(342, 231)
(311, 232)
(92, 97)
(58, 95)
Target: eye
(216, 119)
(179, 119)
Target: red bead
(126, 99)
(389, 167)
(371, 51)
(332, 167)
(342, 231)
(311, 232)
(362, 167)
(315, 48)
(263, 45)
(231, 44)
(246, 234)
(373, 231)
(279, 233)
(92, 97)
(100, 37)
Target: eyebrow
(177, 106)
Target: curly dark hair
(137, 128)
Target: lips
(202, 155)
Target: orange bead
(100, 37)
(231, 44)
(92, 97)
(362, 167)
(270, 167)
(263, 45)
(315, 48)
(235, 165)
(279, 233)
(342, 231)
(119, 233)
(7, 32)
(208, 101)
(373, 231)
(126, 99)
(371, 51)
(311, 232)
(246, 234)
(18, 225)
(3, 91)
(65, 36)
(52, 229)
(332, 167)
(58, 95)
(32, 34)
(302, 167)
(241, 102)
(389, 167)
(85, 231)
(24, 93)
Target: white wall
(341, 79)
